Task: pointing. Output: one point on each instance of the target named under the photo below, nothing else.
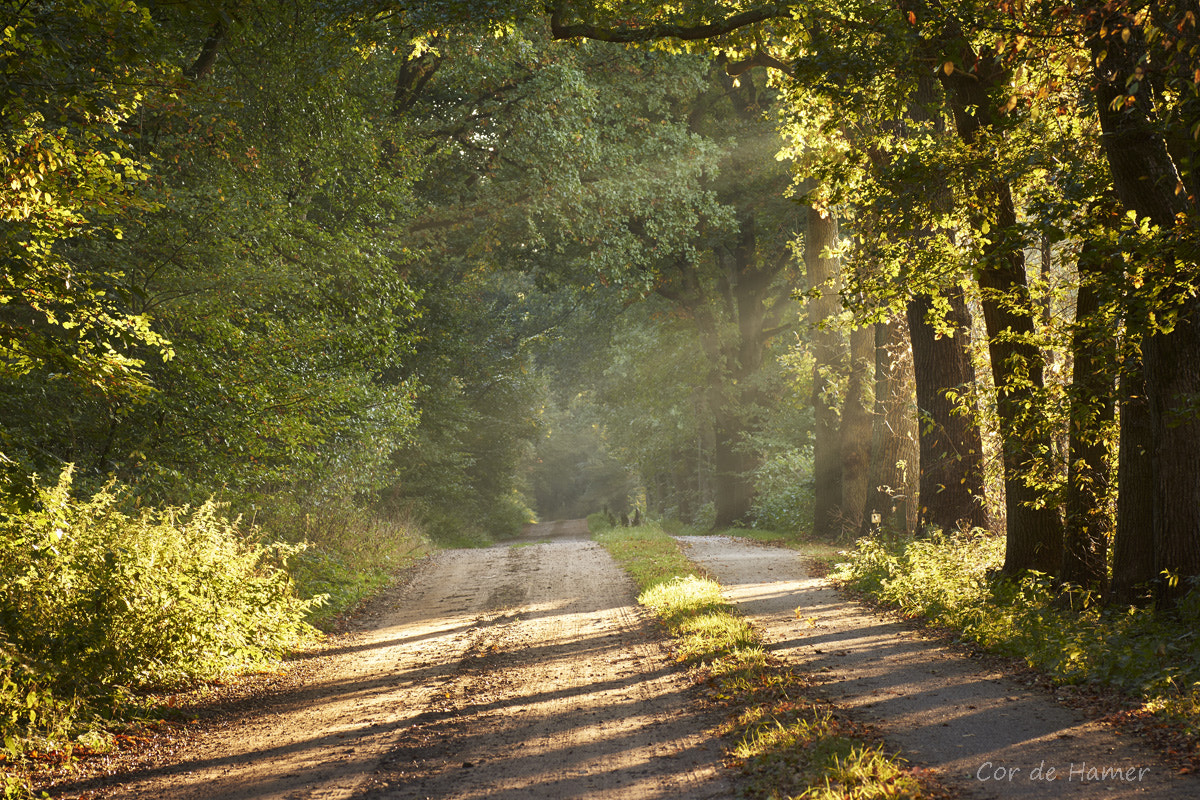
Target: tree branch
(208, 52)
(759, 59)
(630, 33)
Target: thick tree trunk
(892, 484)
(1133, 543)
(1148, 183)
(1034, 528)
(829, 356)
(951, 476)
(1173, 389)
(855, 433)
(1089, 517)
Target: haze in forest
(295, 292)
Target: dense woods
(426, 270)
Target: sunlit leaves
(74, 76)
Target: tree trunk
(1089, 517)
(734, 474)
(829, 356)
(951, 468)
(1147, 181)
(855, 432)
(1133, 543)
(892, 485)
(1173, 390)
(1034, 528)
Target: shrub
(783, 492)
(946, 579)
(98, 600)
(349, 551)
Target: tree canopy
(295, 250)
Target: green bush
(507, 516)
(783, 492)
(99, 596)
(349, 552)
(598, 522)
(947, 580)
(98, 600)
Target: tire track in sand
(565, 692)
(523, 671)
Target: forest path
(524, 670)
(985, 734)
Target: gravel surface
(517, 671)
(527, 671)
(985, 734)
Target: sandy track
(985, 734)
(515, 671)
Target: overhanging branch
(629, 33)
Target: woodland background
(295, 290)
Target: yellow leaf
(948, 68)
(1125, 34)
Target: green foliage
(98, 596)
(349, 551)
(945, 579)
(99, 600)
(74, 74)
(783, 492)
(263, 244)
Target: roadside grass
(521, 545)
(786, 743)
(348, 555)
(1149, 656)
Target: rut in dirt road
(986, 735)
(523, 671)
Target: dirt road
(518, 671)
(985, 734)
(527, 671)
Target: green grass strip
(786, 743)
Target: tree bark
(1088, 506)
(855, 432)
(1034, 528)
(1133, 543)
(1148, 182)
(892, 484)
(829, 357)
(951, 448)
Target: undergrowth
(105, 603)
(348, 554)
(787, 744)
(1150, 655)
